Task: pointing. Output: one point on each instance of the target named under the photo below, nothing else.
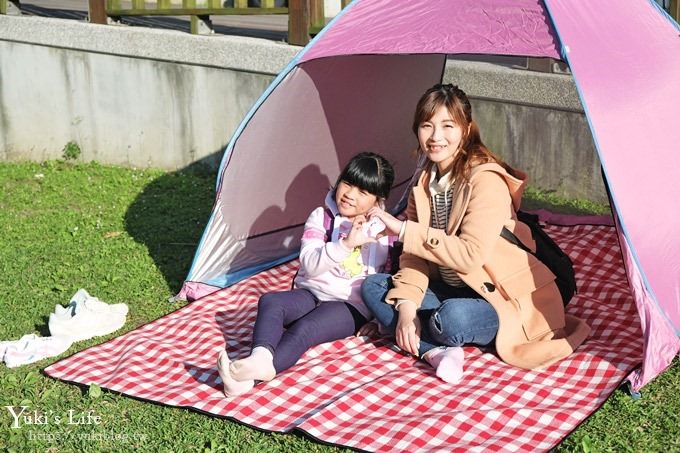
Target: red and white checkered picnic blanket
(365, 395)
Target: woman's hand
(407, 333)
(392, 224)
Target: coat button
(434, 242)
(488, 287)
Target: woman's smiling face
(440, 139)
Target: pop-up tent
(354, 87)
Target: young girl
(339, 249)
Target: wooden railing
(305, 17)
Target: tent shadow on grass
(169, 216)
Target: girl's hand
(392, 224)
(357, 236)
(370, 329)
(407, 333)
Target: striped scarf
(442, 195)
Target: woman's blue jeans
(449, 316)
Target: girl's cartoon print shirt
(327, 268)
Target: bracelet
(401, 301)
(402, 230)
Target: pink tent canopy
(629, 85)
(361, 76)
(500, 27)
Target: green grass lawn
(129, 235)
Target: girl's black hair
(370, 172)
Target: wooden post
(540, 64)
(298, 22)
(201, 25)
(97, 11)
(10, 7)
(675, 10)
(317, 15)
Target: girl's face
(439, 138)
(353, 201)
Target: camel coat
(534, 330)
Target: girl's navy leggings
(290, 322)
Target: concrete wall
(157, 98)
(534, 121)
(137, 97)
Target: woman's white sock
(448, 363)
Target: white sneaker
(31, 348)
(80, 299)
(6, 345)
(86, 318)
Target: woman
(459, 282)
